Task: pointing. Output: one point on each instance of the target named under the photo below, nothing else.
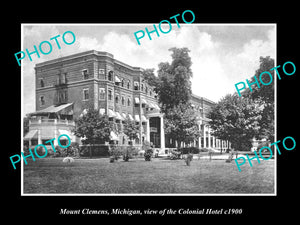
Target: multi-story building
(66, 87)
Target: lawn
(51, 175)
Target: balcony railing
(51, 121)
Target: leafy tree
(93, 127)
(235, 119)
(264, 97)
(130, 129)
(174, 92)
(181, 124)
(150, 78)
(174, 85)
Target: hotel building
(66, 87)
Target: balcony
(51, 122)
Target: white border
(142, 24)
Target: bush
(193, 150)
(175, 154)
(188, 159)
(148, 154)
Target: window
(101, 93)
(42, 100)
(117, 99)
(146, 90)
(142, 87)
(122, 83)
(110, 96)
(150, 92)
(63, 78)
(128, 102)
(110, 75)
(123, 100)
(101, 71)
(136, 85)
(86, 94)
(85, 74)
(42, 82)
(128, 84)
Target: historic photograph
(148, 109)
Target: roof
(52, 109)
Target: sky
(222, 54)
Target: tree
(94, 128)
(181, 124)
(150, 78)
(235, 119)
(130, 129)
(174, 93)
(174, 85)
(264, 97)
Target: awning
(63, 109)
(143, 118)
(101, 111)
(65, 132)
(130, 117)
(144, 101)
(118, 116)
(83, 112)
(113, 136)
(151, 105)
(156, 106)
(137, 100)
(124, 115)
(111, 113)
(137, 118)
(117, 79)
(31, 134)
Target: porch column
(39, 137)
(162, 133)
(148, 130)
(204, 137)
(199, 139)
(214, 141)
(209, 141)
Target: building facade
(67, 87)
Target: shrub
(188, 159)
(148, 154)
(175, 154)
(193, 150)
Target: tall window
(42, 82)
(123, 100)
(122, 83)
(86, 94)
(117, 99)
(110, 94)
(42, 100)
(128, 84)
(101, 93)
(85, 74)
(136, 85)
(128, 102)
(110, 75)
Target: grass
(51, 175)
